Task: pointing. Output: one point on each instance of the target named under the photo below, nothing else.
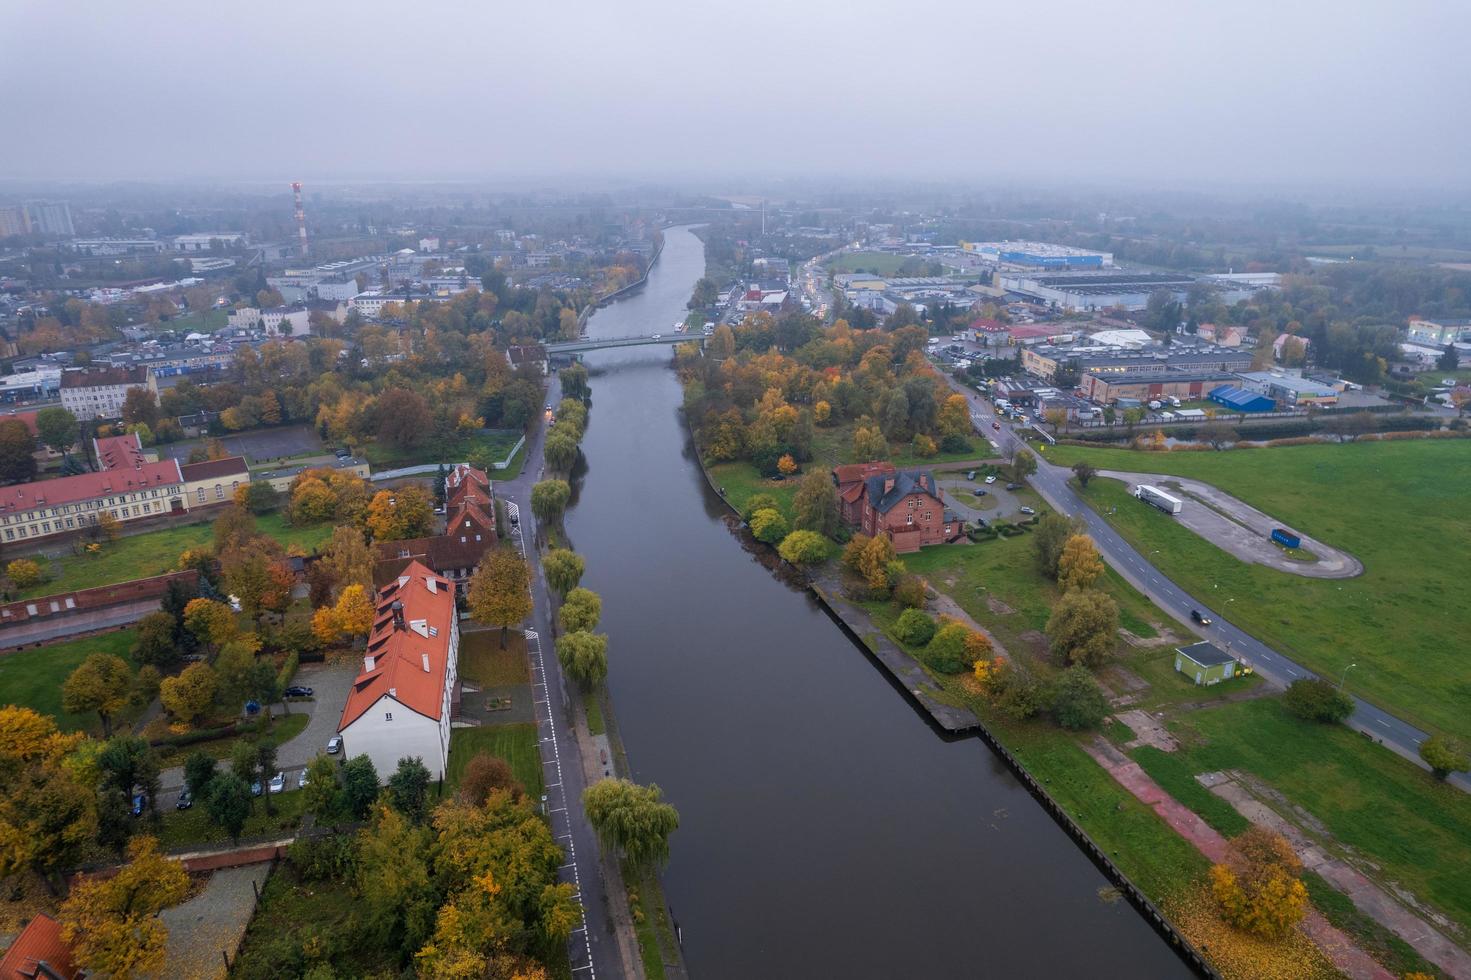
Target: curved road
(1051, 482)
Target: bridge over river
(603, 343)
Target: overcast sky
(1247, 91)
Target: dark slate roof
(906, 482)
(1206, 654)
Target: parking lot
(997, 503)
(256, 447)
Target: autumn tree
(351, 617)
(47, 814)
(189, 695)
(403, 418)
(406, 512)
(631, 820)
(1444, 756)
(1080, 564)
(549, 499)
(500, 590)
(154, 643)
(954, 417)
(348, 559)
(394, 882)
(210, 621)
(487, 774)
(256, 573)
(815, 506)
(768, 526)
(17, 449)
(1085, 472)
(1050, 537)
(112, 923)
(581, 610)
(1257, 888)
(803, 548)
(563, 568)
(100, 684)
(57, 428)
(140, 405)
(869, 444)
(584, 657)
(26, 573)
(1083, 627)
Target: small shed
(1206, 663)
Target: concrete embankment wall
(916, 683)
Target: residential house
(469, 532)
(39, 953)
(850, 479)
(530, 355)
(99, 392)
(400, 705)
(908, 507)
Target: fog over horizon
(1181, 92)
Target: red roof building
(400, 704)
(120, 452)
(38, 510)
(39, 953)
(850, 479)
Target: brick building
(905, 505)
(850, 480)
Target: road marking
(1381, 721)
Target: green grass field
(1371, 800)
(193, 826)
(32, 678)
(483, 662)
(516, 744)
(496, 442)
(883, 263)
(156, 552)
(1397, 506)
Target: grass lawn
(1370, 800)
(32, 678)
(592, 704)
(1397, 506)
(497, 442)
(193, 826)
(207, 321)
(483, 662)
(156, 552)
(292, 911)
(882, 263)
(516, 744)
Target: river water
(827, 830)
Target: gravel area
(211, 922)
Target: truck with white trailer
(1158, 498)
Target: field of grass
(882, 263)
(516, 744)
(156, 552)
(32, 678)
(1385, 809)
(1397, 506)
(496, 442)
(207, 321)
(283, 730)
(483, 662)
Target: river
(826, 828)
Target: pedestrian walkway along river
(827, 829)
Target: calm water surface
(827, 830)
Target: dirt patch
(998, 607)
(1148, 730)
(1037, 641)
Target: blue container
(1286, 538)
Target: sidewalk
(1336, 946)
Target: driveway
(1242, 530)
(330, 682)
(998, 503)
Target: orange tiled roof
(89, 486)
(40, 942)
(408, 661)
(119, 452)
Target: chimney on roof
(398, 614)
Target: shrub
(946, 651)
(914, 628)
(803, 548)
(759, 501)
(955, 444)
(1444, 756)
(768, 526)
(25, 573)
(1317, 700)
(1077, 700)
(909, 591)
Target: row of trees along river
(826, 829)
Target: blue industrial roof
(1241, 399)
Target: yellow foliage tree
(821, 412)
(351, 617)
(1258, 890)
(786, 465)
(1080, 564)
(210, 621)
(112, 924)
(47, 814)
(190, 694)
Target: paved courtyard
(211, 923)
(257, 447)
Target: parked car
(1028, 511)
(255, 788)
(297, 691)
(185, 800)
(1013, 486)
(1200, 617)
(970, 475)
(334, 745)
(301, 780)
(990, 480)
(140, 803)
(979, 492)
(278, 782)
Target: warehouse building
(1240, 399)
(1039, 255)
(1091, 292)
(1289, 390)
(1106, 389)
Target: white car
(990, 479)
(658, 336)
(334, 745)
(278, 782)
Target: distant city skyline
(1247, 94)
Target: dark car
(978, 492)
(1200, 617)
(140, 803)
(1013, 486)
(996, 426)
(255, 788)
(185, 801)
(298, 692)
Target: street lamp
(1344, 676)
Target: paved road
(593, 947)
(1051, 481)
